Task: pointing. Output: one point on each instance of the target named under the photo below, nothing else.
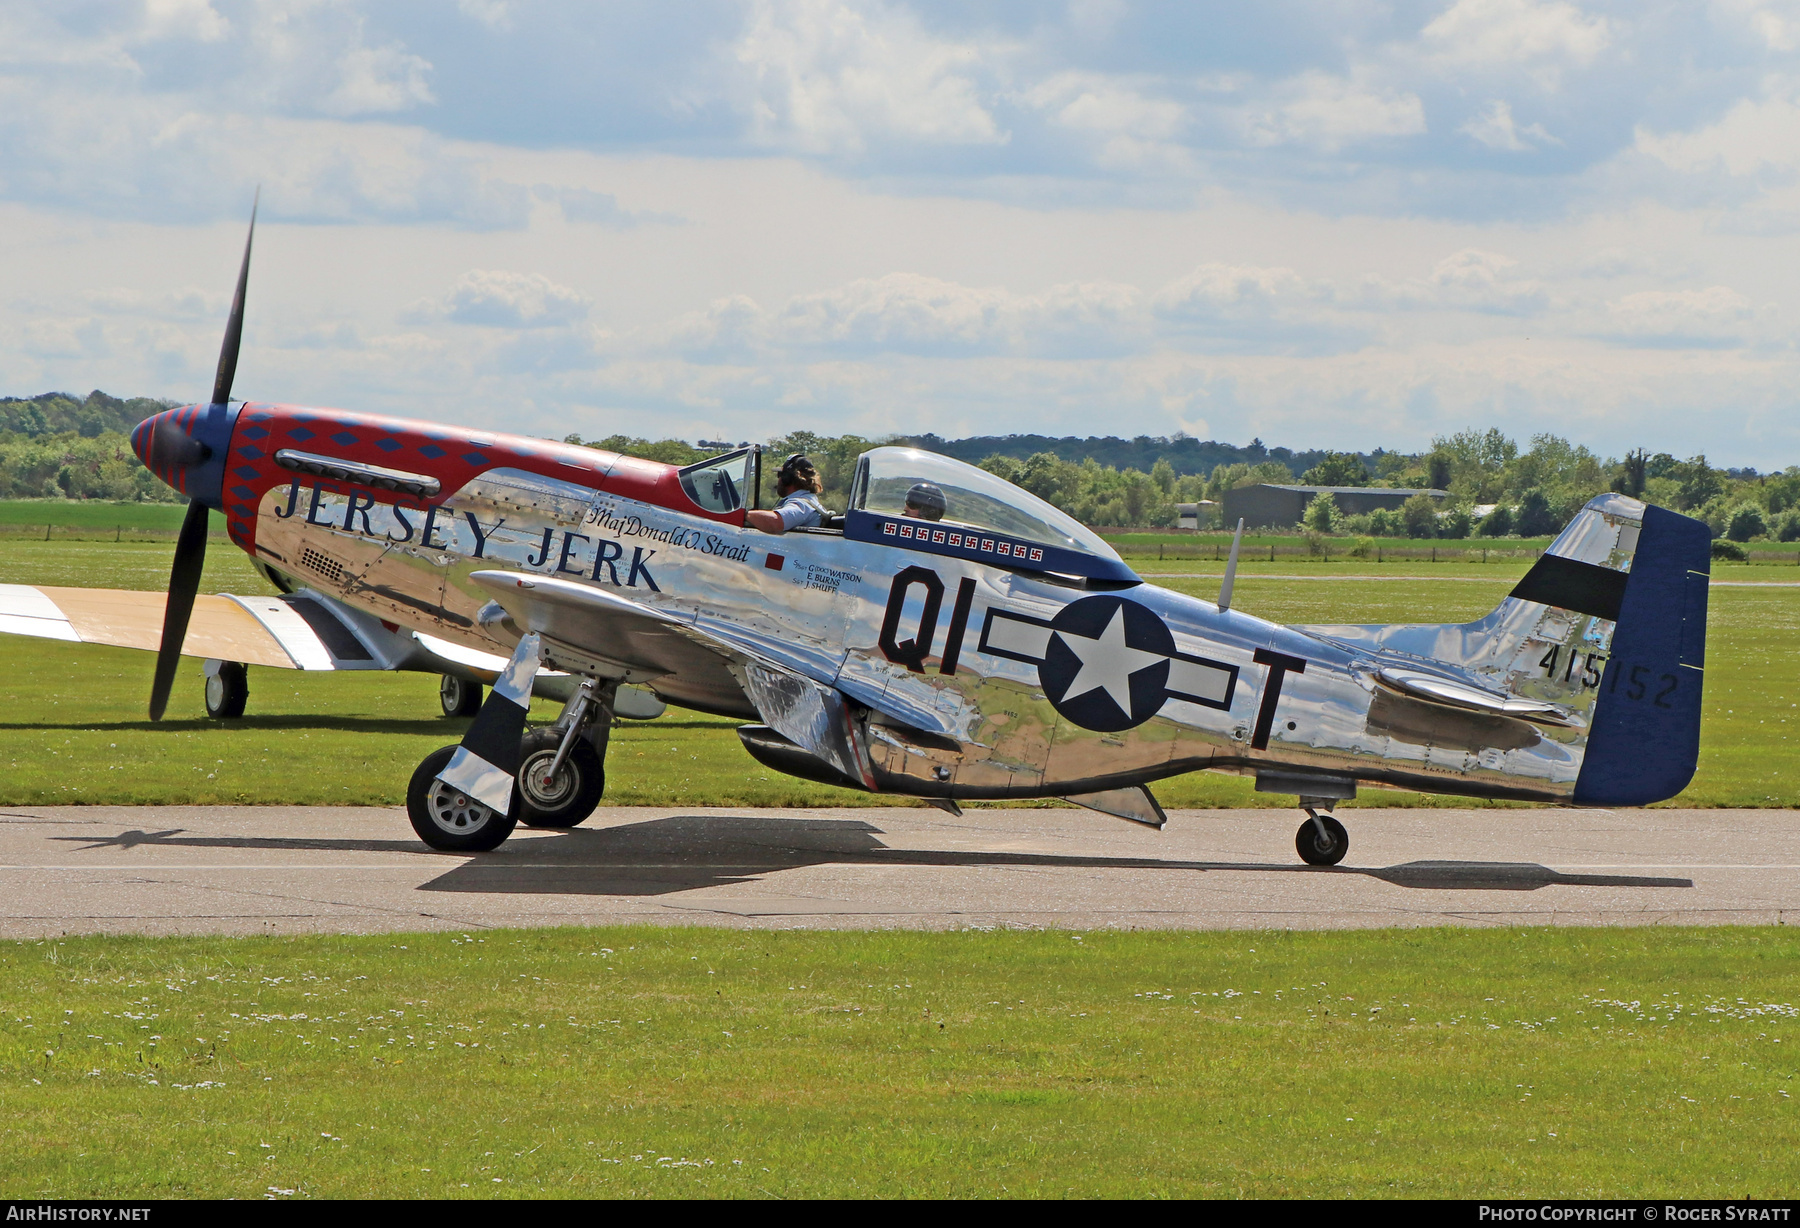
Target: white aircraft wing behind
(304, 630)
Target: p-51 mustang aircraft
(992, 649)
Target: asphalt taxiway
(265, 869)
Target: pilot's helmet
(799, 471)
(928, 500)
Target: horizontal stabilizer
(1435, 688)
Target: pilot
(797, 485)
(925, 502)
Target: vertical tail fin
(1644, 737)
(1606, 634)
(1611, 622)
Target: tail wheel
(459, 696)
(448, 819)
(227, 690)
(1322, 850)
(570, 796)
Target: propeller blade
(184, 583)
(234, 327)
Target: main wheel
(569, 797)
(448, 819)
(1322, 852)
(227, 690)
(459, 696)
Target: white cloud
(1494, 127)
(601, 208)
(1776, 23)
(373, 80)
(901, 311)
(997, 218)
(911, 314)
(1517, 33)
(833, 77)
(498, 298)
(1714, 316)
(1484, 281)
(1215, 294)
(1468, 280)
(1239, 307)
(184, 19)
(1128, 128)
(65, 337)
(165, 157)
(1754, 135)
(494, 14)
(1330, 112)
(186, 304)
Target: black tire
(572, 796)
(449, 821)
(227, 691)
(1315, 852)
(459, 696)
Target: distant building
(1194, 515)
(1282, 505)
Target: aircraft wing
(254, 630)
(585, 628)
(597, 632)
(303, 630)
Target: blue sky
(1351, 225)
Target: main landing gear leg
(465, 798)
(562, 769)
(1321, 840)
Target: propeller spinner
(186, 448)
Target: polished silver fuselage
(955, 701)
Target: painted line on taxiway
(1141, 864)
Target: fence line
(94, 533)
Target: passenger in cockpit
(925, 502)
(797, 485)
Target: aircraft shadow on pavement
(175, 838)
(685, 853)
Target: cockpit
(932, 503)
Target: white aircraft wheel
(227, 690)
(459, 696)
(1315, 851)
(571, 795)
(448, 819)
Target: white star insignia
(1107, 663)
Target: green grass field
(1144, 546)
(82, 519)
(1146, 549)
(1589, 1063)
(72, 725)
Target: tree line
(1494, 487)
(62, 446)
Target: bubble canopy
(1010, 526)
